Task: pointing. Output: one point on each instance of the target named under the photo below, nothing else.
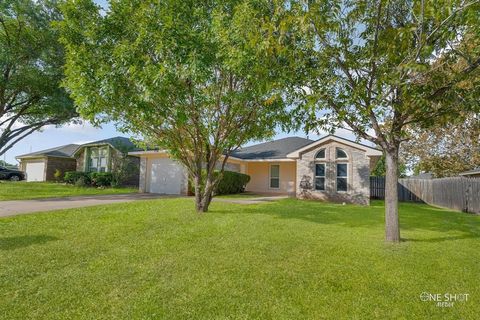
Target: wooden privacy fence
(457, 193)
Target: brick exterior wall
(358, 180)
(80, 158)
(62, 164)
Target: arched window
(341, 154)
(320, 154)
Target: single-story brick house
(331, 168)
(97, 156)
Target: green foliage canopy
(377, 67)
(31, 62)
(197, 78)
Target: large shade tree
(377, 67)
(197, 78)
(445, 151)
(31, 61)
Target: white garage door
(35, 170)
(166, 176)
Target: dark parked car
(11, 174)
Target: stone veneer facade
(358, 178)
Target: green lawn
(34, 190)
(284, 260)
(244, 195)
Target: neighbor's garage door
(166, 176)
(35, 170)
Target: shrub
(72, 177)
(97, 179)
(230, 183)
(101, 179)
(80, 182)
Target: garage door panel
(166, 176)
(35, 171)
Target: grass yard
(35, 190)
(284, 260)
(244, 195)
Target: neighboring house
(41, 165)
(99, 156)
(332, 168)
(475, 173)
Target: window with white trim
(320, 154)
(274, 176)
(342, 177)
(341, 154)
(320, 176)
(97, 161)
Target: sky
(51, 136)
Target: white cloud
(84, 128)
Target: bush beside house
(95, 179)
(230, 183)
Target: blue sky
(51, 137)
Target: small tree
(378, 67)
(380, 168)
(123, 167)
(31, 61)
(197, 78)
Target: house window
(342, 175)
(320, 154)
(275, 176)
(320, 176)
(341, 154)
(98, 159)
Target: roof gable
(122, 144)
(369, 151)
(65, 151)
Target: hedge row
(96, 179)
(230, 183)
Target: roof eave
(369, 151)
(146, 152)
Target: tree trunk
(198, 192)
(392, 227)
(207, 196)
(203, 196)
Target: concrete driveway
(16, 207)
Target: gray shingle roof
(277, 149)
(121, 143)
(65, 151)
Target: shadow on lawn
(416, 220)
(12, 243)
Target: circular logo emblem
(424, 296)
